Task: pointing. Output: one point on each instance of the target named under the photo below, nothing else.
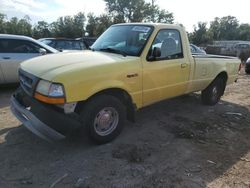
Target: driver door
(165, 76)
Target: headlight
(56, 90)
(49, 89)
(43, 87)
(49, 92)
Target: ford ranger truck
(129, 67)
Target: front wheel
(212, 94)
(104, 117)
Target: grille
(28, 82)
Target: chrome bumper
(32, 123)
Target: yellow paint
(85, 73)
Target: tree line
(118, 11)
(121, 11)
(225, 28)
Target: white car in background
(15, 49)
(195, 50)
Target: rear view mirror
(42, 51)
(155, 53)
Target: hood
(60, 62)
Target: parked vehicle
(13, 50)
(247, 66)
(195, 50)
(88, 41)
(64, 44)
(125, 71)
(229, 48)
(241, 48)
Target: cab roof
(155, 25)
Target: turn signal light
(49, 100)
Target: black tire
(212, 94)
(93, 117)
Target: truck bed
(207, 67)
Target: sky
(188, 12)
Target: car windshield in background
(61, 44)
(45, 41)
(124, 39)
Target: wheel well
(224, 76)
(120, 94)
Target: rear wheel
(104, 117)
(212, 94)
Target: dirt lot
(176, 143)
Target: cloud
(50, 10)
(71, 7)
(29, 7)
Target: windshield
(46, 46)
(45, 41)
(128, 39)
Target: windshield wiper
(113, 50)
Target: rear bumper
(247, 67)
(32, 123)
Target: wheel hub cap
(215, 92)
(106, 121)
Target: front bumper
(46, 121)
(32, 123)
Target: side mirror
(42, 51)
(155, 53)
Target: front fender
(85, 91)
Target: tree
(79, 24)
(156, 14)
(137, 11)
(200, 36)
(163, 16)
(19, 27)
(127, 10)
(69, 26)
(11, 26)
(2, 23)
(24, 26)
(41, 30)
(92, 25)
(244, 32)
(97, 25)
(105, 22)
(225, 28)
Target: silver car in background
(195, 50)
(15, 49)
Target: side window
(75, 45)
(169, 43)
(59, 44)
(22, 46)
(4, 46)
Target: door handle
(184, 65)
(6, 57)
(132, 75)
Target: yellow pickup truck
(130, 66)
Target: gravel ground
(175, 143)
